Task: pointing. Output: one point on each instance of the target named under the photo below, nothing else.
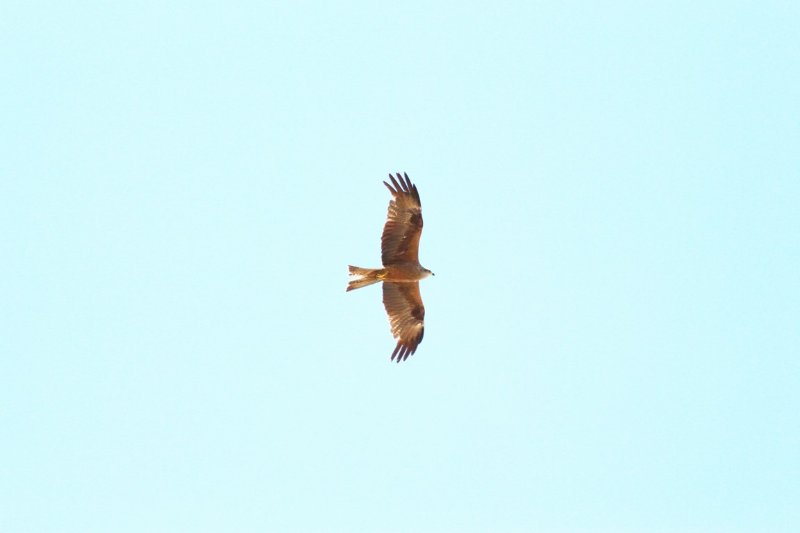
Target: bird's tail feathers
(366, 276)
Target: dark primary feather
(401, 233)
(406, 312)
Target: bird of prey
(401, 270)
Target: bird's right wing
(401, 233)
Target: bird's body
(401, 270)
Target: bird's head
(428, 273)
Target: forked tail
(366, 276)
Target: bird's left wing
(403, 304)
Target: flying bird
(401, 270)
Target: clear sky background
(611, 194)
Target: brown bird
(401, 270)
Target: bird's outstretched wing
(406, 315)
(400, 239)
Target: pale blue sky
(611, 193)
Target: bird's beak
(432, 274)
